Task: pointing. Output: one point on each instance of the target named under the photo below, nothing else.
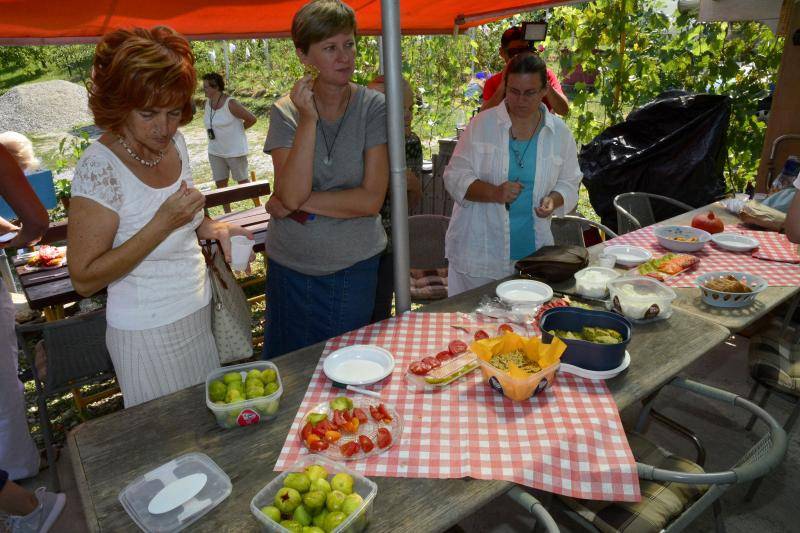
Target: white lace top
(171, 282)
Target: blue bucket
(585, 354)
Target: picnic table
(49, 289)
(109, 452)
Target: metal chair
(76, 355)
(699, 489)
(426, 236)
(544, 521)
(569, 230)
(634, 209)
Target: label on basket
(248, 417)
(495, 384)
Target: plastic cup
(241, 247)
(606, 260)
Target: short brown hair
(140, 69)
(319, 20)
(527, 63)
(215, 80)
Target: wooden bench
(237, 193)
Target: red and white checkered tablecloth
(568, 439)
(712, 258)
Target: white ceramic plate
(524, 292)
(628, 256)
(734, 242)
(597, 374)
(177, 493)
(360, 364)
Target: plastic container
(679, 238)
(355, 523)
(585, 354)
(628, 256)
(731, 299)
(518, 390)
(592, 281)
(138, 495)
(641, 299)
(245, 412)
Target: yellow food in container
(522, 366)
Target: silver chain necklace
(329, 147)
(521, 159)
(145, 162)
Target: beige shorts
(223, 168)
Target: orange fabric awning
(34, 22)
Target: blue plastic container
(585, 354)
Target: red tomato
(306, 431)
(432, 362)
(375, 413)
(325, 425)
(384, 413)
(360, 414)
(318, 431)
(338, 419)
(505, 328)
(444, 355)
(384, 438)
(332, 436)
(349, 449)
(351, 426)
(419, 368)
(480, 334)
(366, 443)
(348, 416)
(318, 446)
(457, 346)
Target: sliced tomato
(457, 346)
(384, 438)
(366, 443)
(326, 425)
(432, 362)
(375, 413)
(318, 431)
(318, 446)
(386, 417)
(351, 426)
(306, 431)
(480, 334)
(360, 414)
(419, 368)
(348, 416)
(505, 328)
(332, 436)
(349, 449)
(338, 419)
(444, 355)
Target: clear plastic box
(355, 523)
(592, 281)
(641, 299)
(245, 412)
(136, 497)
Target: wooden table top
(109, 452)
(44, 288)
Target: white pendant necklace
(146, 162)
(328, 160)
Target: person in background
(225, 120)
(135, 217)
(385, 290)
(512, 43)
(327, 139)
(474, 90)
(514, 166)
(19, 457)
(792, 224)
(21, 148)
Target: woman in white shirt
(225, 120)
(135, 217)
(513, 167)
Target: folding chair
(635, 210)
(569, 230)
(426, 236)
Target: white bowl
(717, 298)
(734, 242)
(359, 364)
(524, 292)
(667, 237)
(628, 256)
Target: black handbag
(553, 263)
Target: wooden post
(256, 200)
(783, 116)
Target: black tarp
(674, 146)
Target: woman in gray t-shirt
(327, 140)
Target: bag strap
(209, 255)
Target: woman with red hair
(135, 217)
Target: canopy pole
(390, 15)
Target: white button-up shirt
(478, 238)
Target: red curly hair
(140, 69)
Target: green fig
(292, 525)
(302, 515)
(314, 500)
(287, 500)
(298, 481)
(272, 512)
(351, 503)
(333, 520)
(342, 482)
(335, 500)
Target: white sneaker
(43, 517)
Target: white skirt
(154, 362)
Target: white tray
(597, 374)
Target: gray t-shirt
(326, 245)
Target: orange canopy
(68, 21)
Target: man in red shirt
(512, 43)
